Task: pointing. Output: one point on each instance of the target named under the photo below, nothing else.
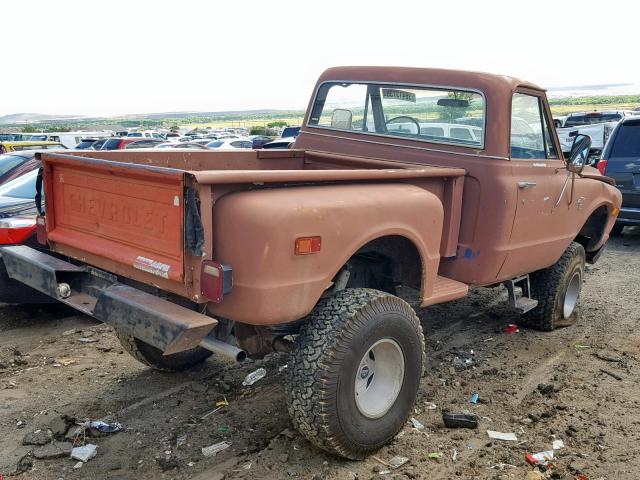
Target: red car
(120, 143)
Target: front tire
(557, 290)
(355, 371)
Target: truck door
(542, 225)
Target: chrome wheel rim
(379, 378)
(571, 295)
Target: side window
(527, 138)
(343, 107)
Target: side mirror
(579, 153)
(341, 119)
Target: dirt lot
(579, 384)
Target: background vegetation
(264, 121)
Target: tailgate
(124, 215)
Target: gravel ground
(578, 385)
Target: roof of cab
(427, 76)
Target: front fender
(255, 232)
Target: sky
(96, 57)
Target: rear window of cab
(430, 114)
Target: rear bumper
(163, 324)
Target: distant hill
(19, 118)
(34, 117)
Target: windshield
(21, 187)
(216, 144)
(111, 144)
(591, 119)
(9, 162)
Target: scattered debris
(558, 444)
(508, 436)
(416, 424)
(53, 450)
(502, 466)
(611, 374)
(181, 440)
(214, 449)
(281, 369)
(220, 404)
(84, 453)
(607, 358)
(459, 420)
(541, 458)
(75, 432)
(24, 464)
(534, 475)
(88, 340)
(430, 406)
(454, 455)
(254, 376)
(581, 347)
(105, 427)
(37, 437)
(474, 398)
(78, 465)
(511, 329)
(435, 455)
(397, 461)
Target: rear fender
(255, 232)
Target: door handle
(526, 184)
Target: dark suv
(621, 161)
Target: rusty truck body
(405, 187)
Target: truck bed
(144, 214)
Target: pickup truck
(324, 250)
(597, 125)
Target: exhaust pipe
(221, 348)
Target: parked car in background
(90, 144)
(68, 139)
(145, 143)
(279, 143)
(120, 143)
(14, 137)
(146, 134)
(290, 132)
(6, 147)
(14, 164)
(245, 143)
(259, 140)
(597, 125)
(190, 145)
(621, 161)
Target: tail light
(216, 280)
(602, 166)
(16, 229)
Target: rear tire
(616, 231)
(355, 371)
(557, 290)
(153, 357)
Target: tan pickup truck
(405, 187)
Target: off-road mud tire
(549, 287)
(153, 357)
(326, 357)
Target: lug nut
(64, 290)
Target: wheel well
(593, 229)
(392, 264)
